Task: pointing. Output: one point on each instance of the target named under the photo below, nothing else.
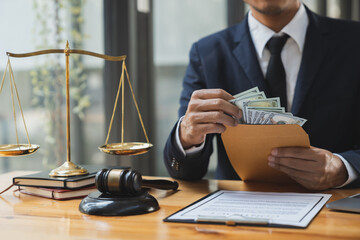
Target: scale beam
(83, 52)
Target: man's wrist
(352, 174)
(189, 151)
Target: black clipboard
(247, 221)
(167, 219)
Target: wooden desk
(28, 217)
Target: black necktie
(275, 74)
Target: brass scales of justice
(69, 168)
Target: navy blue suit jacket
(327, 91)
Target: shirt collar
(296, 29)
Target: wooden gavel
(128, 182)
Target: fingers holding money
(207, 100)
(209, 111)
(215, 107)
(216, 117)
(211, 94)
(194, 134)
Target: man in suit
(321, 61)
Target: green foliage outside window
(48, 79)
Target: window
(176, 25)
(38, 25)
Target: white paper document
(259, 208)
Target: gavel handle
(160, 184)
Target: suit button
(175, 164)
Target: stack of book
(59, 188)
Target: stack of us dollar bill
(257, 109)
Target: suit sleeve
(178, 165)
(353, 155)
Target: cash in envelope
(258, 109)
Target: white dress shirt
(292, 51)
(291, 57)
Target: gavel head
(119, 181)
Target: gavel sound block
(122, 192)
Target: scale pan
(129, 148)
(13, 150)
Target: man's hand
(314, 168)
(206, 114)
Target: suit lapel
(314, 52)
(245, 54)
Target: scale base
(68, 169)
(100, 204)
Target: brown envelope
(248, 148)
